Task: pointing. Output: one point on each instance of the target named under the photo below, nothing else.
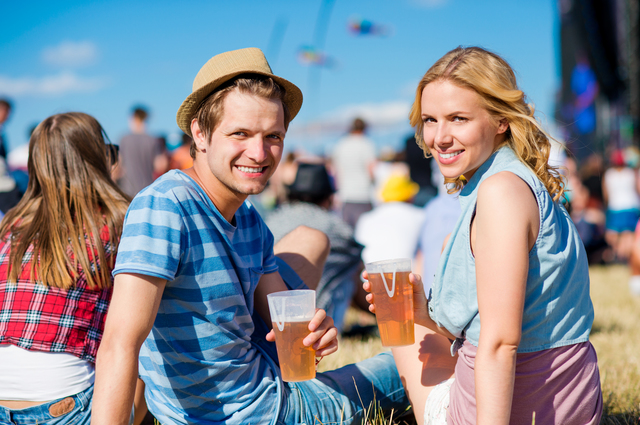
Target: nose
(442, 134)
(257, 149)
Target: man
(5, 111)
(194, 267)
(141, 155)
(310, 201)
(353, 161)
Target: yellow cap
(399, 188)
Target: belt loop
(84, 397)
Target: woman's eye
(428, 120)
(459, 119)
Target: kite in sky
(358, 26)
(310, 56)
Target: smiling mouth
(251, 170)
(449, 155)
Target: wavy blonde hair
(70, 198)
(494, 81)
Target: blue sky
(104, 57)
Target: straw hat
(222, 68)
(399, 188)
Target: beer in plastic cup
(291, 312)
(393, 297)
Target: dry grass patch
(615, 336)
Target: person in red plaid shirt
(57, 251)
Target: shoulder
(170, 193)
(507, 192)
(173, 184)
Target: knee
(308, 236)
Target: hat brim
(400, 195)
(292, 97)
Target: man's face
(245, 147)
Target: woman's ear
(503, 125)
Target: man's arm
(268, 283)
(132, 311)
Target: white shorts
(437, 404)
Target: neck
(226, 201)
(137, 127)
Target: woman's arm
(504, 231)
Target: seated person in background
(189, 310)
(310, 199)
(391, 229)
(52, 311)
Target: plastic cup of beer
(291, 312)
(393, 297)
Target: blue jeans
(343, 396)
(73, 410)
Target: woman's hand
(323, 337)
(420, 310)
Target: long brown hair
(491, 77)
(70, 198)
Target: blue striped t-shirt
(199, 362)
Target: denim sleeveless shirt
(557, 308)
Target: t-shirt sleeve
(152, 236)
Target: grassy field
(615, 335)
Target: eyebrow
(450, 114)
(246, 130)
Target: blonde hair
(494, 81)
(70, 198)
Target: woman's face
(458, 130)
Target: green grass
(615, 336)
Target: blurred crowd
(374, 202)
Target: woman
(57, 250)
(512, 287)
(621, 194)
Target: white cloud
(379, 117)
(71, 54)
(51, 85)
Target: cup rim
(381, 263)
(291, 293)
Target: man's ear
(503, 125)
(198, 136)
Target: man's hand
(323, 337)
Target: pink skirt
(559, 386)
